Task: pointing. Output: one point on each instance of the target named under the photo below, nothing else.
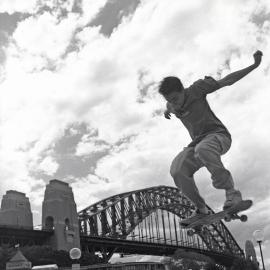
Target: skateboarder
(210, 138)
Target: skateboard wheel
(190, 232)
(227, 218)
(243, 218)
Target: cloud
(48, 165)
(51, 36)
(89, 147)
(112, 13)
(91, 9)
(12, 6)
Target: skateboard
(198, 225)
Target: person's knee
(180, 169)
(184, 164)
(180, 179)
(201, 152)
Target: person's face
(175, 98)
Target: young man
(210, 138)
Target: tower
(16, 210)
(59, 212)
(250, 251)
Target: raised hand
(257, 58)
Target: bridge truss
(146, 221)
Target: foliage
(5, 255)
(211, 266)
(184, 264)
(185, 259)
(41, 255)
(181, 253)
(89, 258)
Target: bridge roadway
(11, 236)
(133, 247)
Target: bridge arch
(153, 215)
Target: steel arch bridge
(146, 221)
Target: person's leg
(182, 169)
(209, 152)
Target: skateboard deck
(228, 215)
(190, 220)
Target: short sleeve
(204, 86)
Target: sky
(79, 99)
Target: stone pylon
(59, 213)
(16, 210)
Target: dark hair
(169, 85)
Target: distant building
(46, 267)
(128, 266)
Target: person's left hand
(257, 58)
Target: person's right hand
(167, 114)
(257, 58)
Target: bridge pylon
(59, 213)
(16, 210)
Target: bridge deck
(12, 235)
(134, 247)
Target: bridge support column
(59, 212)
(16, 210)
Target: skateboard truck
(242, 218)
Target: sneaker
(233, 197)
(198, 214)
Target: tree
(40, 255)
(185, 259)
(89, 258)
(6, 253)
(211, 266)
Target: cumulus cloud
(51, 36)
(90, 147)
(12, 6)
(90, 9)
(48, 165)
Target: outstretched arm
(236, 76)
